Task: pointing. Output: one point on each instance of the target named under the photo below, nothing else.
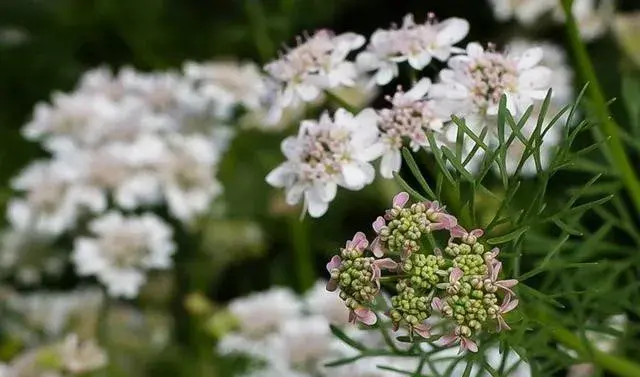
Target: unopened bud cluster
(461, 282)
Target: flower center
(491, 76)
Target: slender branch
(617, 156)
(303, 257)
(341, 102)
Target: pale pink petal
(366, 316)
(477, 233)
(359, 241)
(378, 224)
(334, 263)
(455, 275)
(508, 283)
(458, 231)
(508, 305)
(502, 324)
(400, 199)
(423, 330)
(436, 303)
(448, 339)
(495, 270)
(376, 247)
(468, 344)
(386, 263)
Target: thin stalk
(260, 28)
(608, 127)
(303, 257)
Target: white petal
(281, 176)
(368, 61)
(294, 194)
(454, 30)
(386, 73)
(474, 49)
(371, 152)
(307, 92)
(530, 58)
(357, 175)
(419, 90)
(315, 206)
(390, 163)
(326, 192)
(535, 78)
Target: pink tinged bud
(437, 252)
(423, 330)
(365, 315)
(448, 340)
(468, 344)
(436, 303)
(376, 247)
(400, 199)
(378, 224)
(508, 304)
(458, 232)
(494, 253)
(477, 233)
(359, 242)
(455, 275)
(334, 263)
(386, 264)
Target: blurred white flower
(29, 256)
(261, 312)
(318, 63)
(325, 154)
(79, 357)
(414, 43)
(320, 301)
(593, 17)
(52, 313)
(526, 12)
(475, 81)
(122, 249)
(411, 117)
(188, 175)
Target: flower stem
(258, 21)
(617, 156)
(303, 255)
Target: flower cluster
(331, 152)
(593, 17)
(69, 357)
(470, 87)
(290, 336)
(460, 282)
(125, 143)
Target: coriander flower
(121, 249)
(325, 154)
(475, 81)
(262, 312)
(526, 12)
(318, 63)
(593, 17)
(411, 117)
(414, 43)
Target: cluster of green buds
(358, 278)
(461, 282)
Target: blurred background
(251, 240)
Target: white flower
(122, 249)
(51, 313)
(476, 81)
(326, 154)
(414, 43)
(261, 312)
(81, 357)
(228, 83)
(411, 117)
(316, 64)
(593, 19)
(328, 304)
(554, 57)
(305, 340)
(526, 12)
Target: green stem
(612, 363)
(303, 258)
(618, 158)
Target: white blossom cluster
(69, 357)
(289, 336)
(338, 151)
(129, 142)
(593, 17)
